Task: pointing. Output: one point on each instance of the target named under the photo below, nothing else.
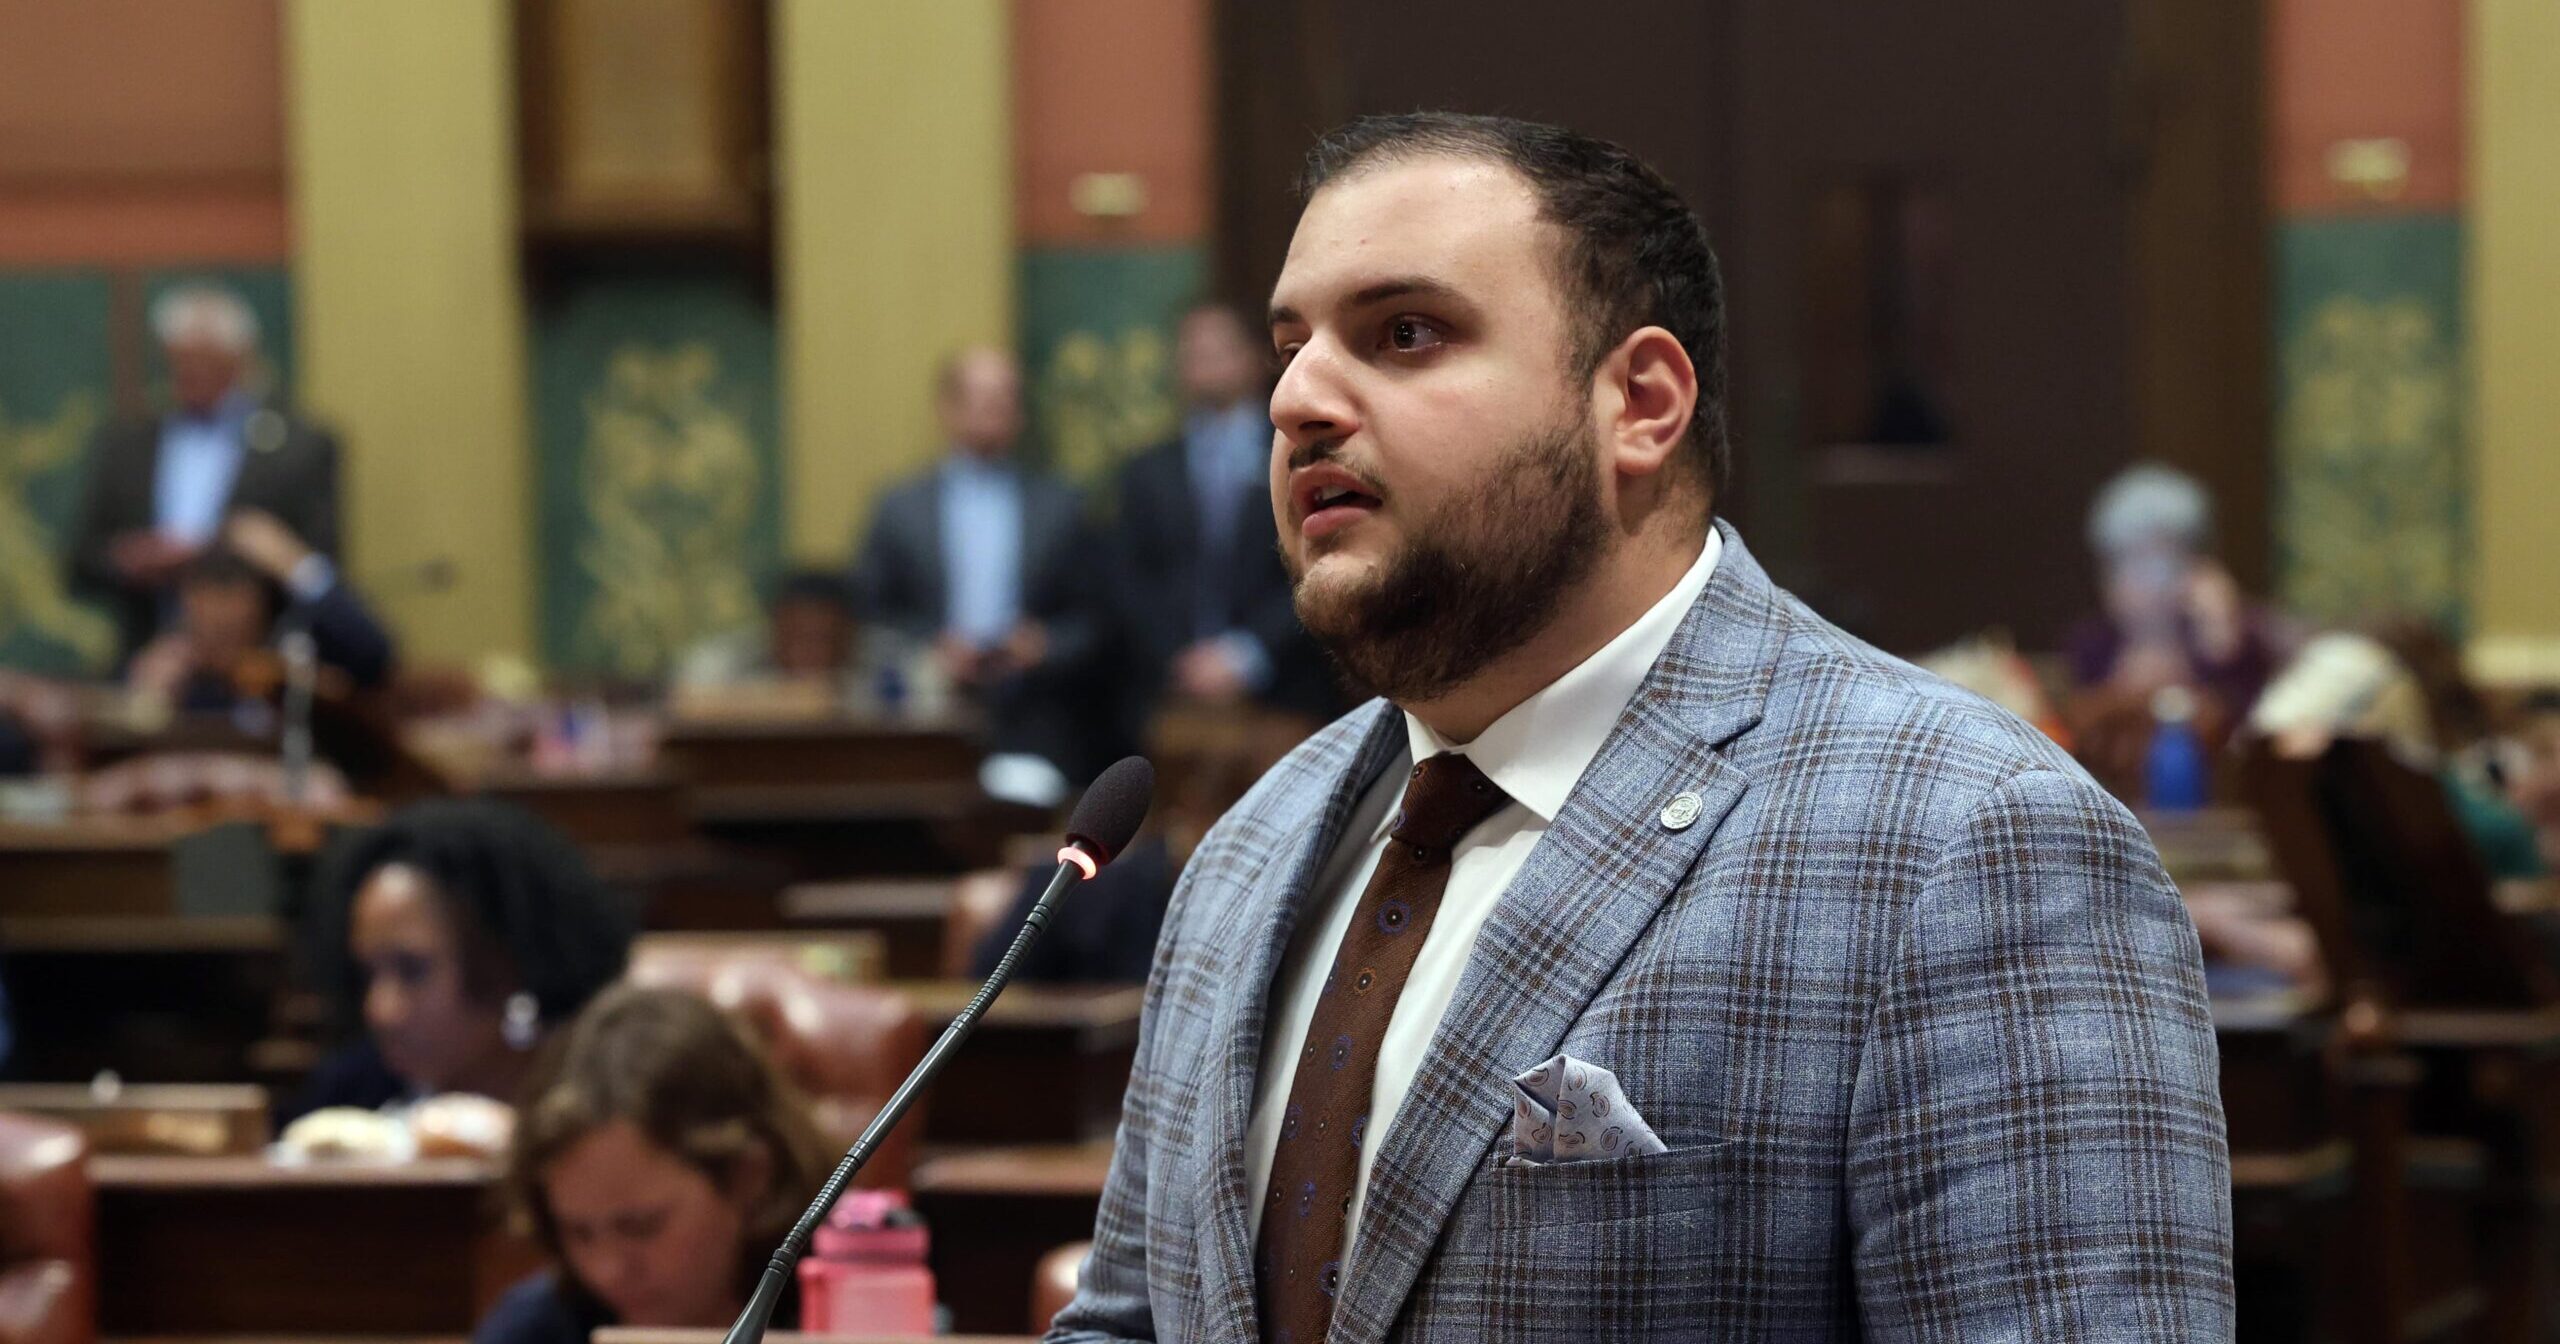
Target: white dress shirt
(1536, 753)
(200, 458)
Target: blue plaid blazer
(1912, 1003)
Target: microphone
(301, 669)
(1105, 820)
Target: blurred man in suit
(1203, 594)
(158, 491)
(993, 565)
(1654, 961)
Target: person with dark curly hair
(457, 935)
(658, 1157)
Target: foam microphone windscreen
(1107, 817)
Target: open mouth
(1334, 509)
(1329, 500)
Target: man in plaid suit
(1916, 1018)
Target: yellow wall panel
(401, 125)
(2514, 51)
(895, 172)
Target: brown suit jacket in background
(290, 470)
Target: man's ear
(1657, 393)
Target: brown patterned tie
(1305, 1222)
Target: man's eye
(1410, 334)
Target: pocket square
(1571, 1110)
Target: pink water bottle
(865, 1271)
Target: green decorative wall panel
(1097, 349)
(2371, 514)
(660, 473)
(54, 392)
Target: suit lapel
(1253, 945)
(1180, 507)
(142, 476)
(1589, 890)
(266, 440)
(933, 576)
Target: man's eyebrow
(1398, 287)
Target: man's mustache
(1304, 455)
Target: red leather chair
(1053, 1284)
(48, 1234)
(846, 1046)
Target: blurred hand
(1026, 648)
(149, 557)
(1208, 672)
(264, 541)
(962, 663)
(2144, 668)
(2215, 611)
(162, 667)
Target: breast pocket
(1630, 1248)
(1609, 1190)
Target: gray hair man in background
(163, 490)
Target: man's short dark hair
(1635, 255)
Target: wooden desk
(191, 994)
(909, 915)
(614, 807)
(643, 1335)
(206, 1120)
(845, 797)
(690, 883)
(90, 866)
(851, 956)
(822, 751)
(232, 1245)
(994, 1212)
(2214, 843)
(865, 829)
(1048, 1063)
(2292, 1164)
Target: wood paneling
(133, 132)
(2343, 70)
(2091, 313)
(1120, 88)
(2197, 117)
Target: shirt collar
(229, 413)
(958, 465)
(1537, 752)
(1225, 423)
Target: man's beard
(1485, 573)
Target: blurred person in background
(2535, 785)
(462, 932)
(1203, 593)
(2354, 685)
(812, 634)
(2172, 617)
(1107, 934)
(235, 601)
(992, 565)
(659, 1157)
(158, 491)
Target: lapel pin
(1682, 811)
